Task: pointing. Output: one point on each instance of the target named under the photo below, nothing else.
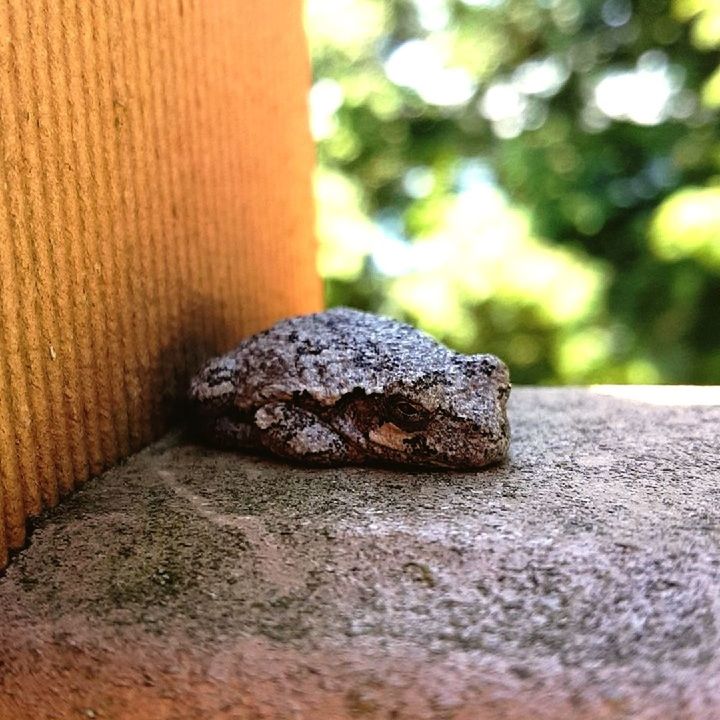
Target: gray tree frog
(349, 387)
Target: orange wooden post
(155, 206)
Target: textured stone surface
(581, 579)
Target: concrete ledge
(579, 580)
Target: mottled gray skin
(345, 387)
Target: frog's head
(455, 417)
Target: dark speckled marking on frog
(347, 387)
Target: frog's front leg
(298, 434)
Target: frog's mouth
(406, 447)
(411, 448)
(391, 436)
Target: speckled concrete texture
(581, 579)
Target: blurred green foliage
(535, 178)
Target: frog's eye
(405, 414)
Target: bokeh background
(535, 178)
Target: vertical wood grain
(155, 207)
